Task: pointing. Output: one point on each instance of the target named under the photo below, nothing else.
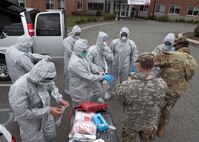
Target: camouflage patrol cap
(146, 57)
(180, 39)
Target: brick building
(175, 9)
(71, 6)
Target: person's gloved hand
(157, 71)
(46, 57)
(133, 69)
(64, 103)
(109, 78)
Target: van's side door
(49, 34)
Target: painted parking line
(5, 85)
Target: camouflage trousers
(170, 100)
(129, 135)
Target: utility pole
(153, 9)
(105, 7)
(119, 10)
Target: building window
(49, 4)
(144, 7)
(21, 2)
(193, 11)
(90, 6)
(60, 4)
(79, 4)
(160, 8)
(100, 6)
(174, 9)
(96, 6)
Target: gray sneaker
(100, 100)
(107, 96)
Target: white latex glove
(46, 57)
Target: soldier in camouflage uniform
(177, 68)
(142, 99)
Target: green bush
(190, 21)
(196, 31)
(94, 19)
(164, 18)
(176, 20)
(196, 22)
(89, 20)
(142, 17)
(181, 20)
(78, 21)
(108, 16)
(82, 20)
(153, 17)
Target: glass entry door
(124, 8)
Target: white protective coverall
(19, 59)
(82, 74)
(101, 55)
(30, 102)
(125, 55)
(68, 50)
(170, 37)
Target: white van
(5, 135)
(46, 28)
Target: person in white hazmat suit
(167, 44)
(125, 54)
(101, 55)
(19, 59)
(68, 50)
(30, 102)
(83, 74)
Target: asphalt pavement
(184, 122)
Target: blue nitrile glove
(109, 78)
(133, 69)
(173, 48)
(157, 71)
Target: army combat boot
(160, 131)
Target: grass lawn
(71, 20)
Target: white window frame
(21, 2)
(175, 7)
(49, 1)
(81, 3)
(96, 4)
(61, 4)
(162, 8)
(195, 8)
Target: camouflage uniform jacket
(142, 99)
(177, 68)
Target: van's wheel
(3, 71)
